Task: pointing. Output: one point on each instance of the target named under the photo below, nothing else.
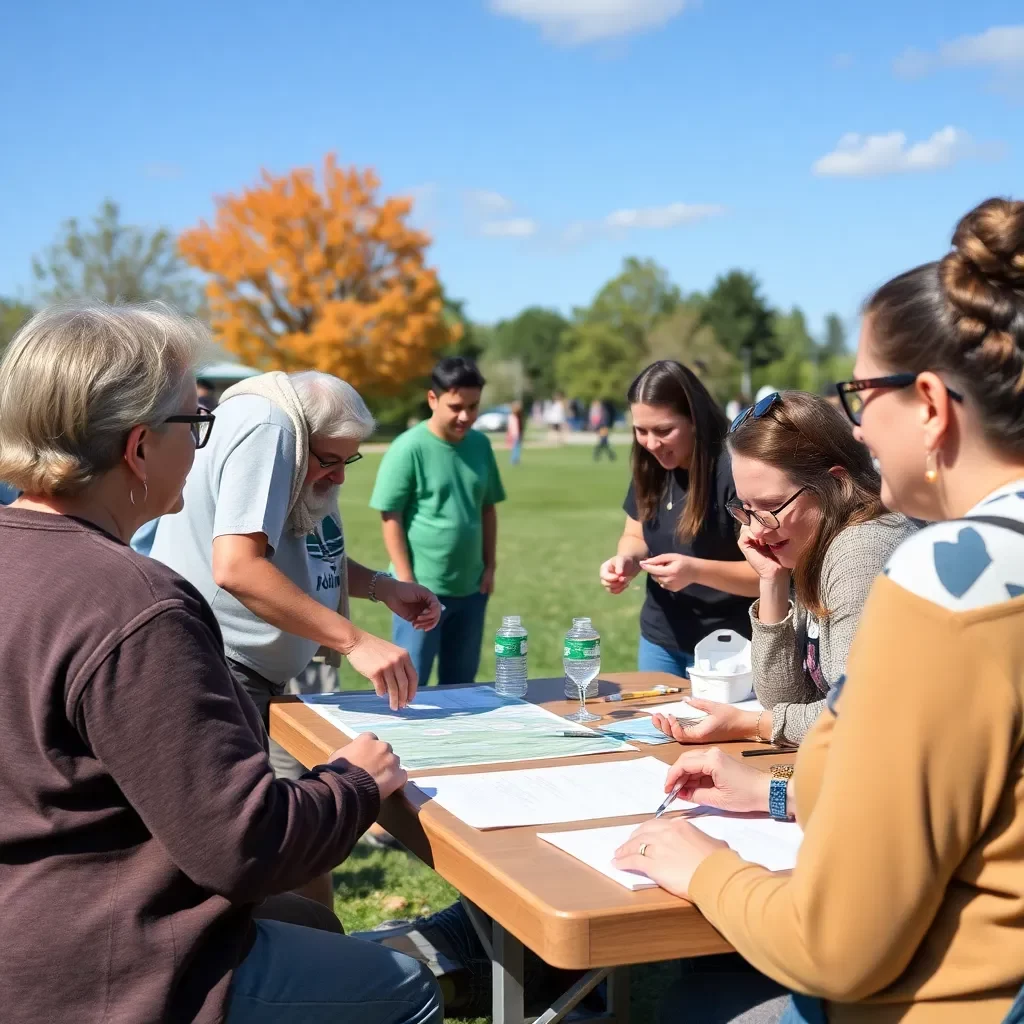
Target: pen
(764, 751)
(656, 692)
(578, 735)
(664, 803)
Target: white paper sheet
(773, 844)
(680, 709)
(548, 796)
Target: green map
(458, 726)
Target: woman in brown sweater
(907, 899)
(142, 826)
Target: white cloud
(660, 217)
(585, 21)
(1000, 48)
(485, 203)
(510, 227)
(863, 156)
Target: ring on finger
(643, 849)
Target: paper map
(445, 728)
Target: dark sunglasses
(757, 410)
(201, 425)
(853, 401)
(334, 463)
(768, 519)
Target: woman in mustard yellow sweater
(907, 900)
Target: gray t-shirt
(240, 484)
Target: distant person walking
(605, 419)
(437, 490)
(555, 417)
(514, 433)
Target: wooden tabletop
(569, 915)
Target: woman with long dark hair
(678, 526)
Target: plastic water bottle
(510, 646)
(581, 658)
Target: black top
(679, 620)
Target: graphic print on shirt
(326, 545)
(812, 664)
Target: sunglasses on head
(757, 410)
(849, 392)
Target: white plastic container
(721, 670)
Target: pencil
(656, 692)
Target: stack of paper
(548, 796)
(773, 844)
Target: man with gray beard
(261, 538)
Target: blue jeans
(296, 975)
(454, 642)
(653, 658)
(517, 453)
(1016, 1014)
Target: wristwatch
(777, 799)
(371, 590)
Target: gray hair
(333, 408)
(78, 377)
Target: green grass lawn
(562, 518)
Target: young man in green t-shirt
(436, 491)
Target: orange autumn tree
(326, 277)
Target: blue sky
(544, 139)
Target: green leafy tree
(596, 362)
(614, 330)
(534, 338)
(684, 336)
(13, 314)
(835, 337)
(741, 319)
(797, 367)
(116, 262)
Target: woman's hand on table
(722, 724)
(672, 851)
(377, 759)
(712, 778)
(617, 572)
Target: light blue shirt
(241, 484)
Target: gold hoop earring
(145, 493)
(931, 468)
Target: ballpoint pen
(665, 803)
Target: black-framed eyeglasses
(335, 463)
(757, 410)
(768, 519)
(849, 392)
(200, 423)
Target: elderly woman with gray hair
(142, 823)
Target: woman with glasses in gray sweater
(816, 532)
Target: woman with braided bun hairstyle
(907, 900)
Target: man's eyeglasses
(853, 401)
(335, 463)
(769, 520)
(757, 410)
(201, 425)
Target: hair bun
(983, 279)
(991, 237)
